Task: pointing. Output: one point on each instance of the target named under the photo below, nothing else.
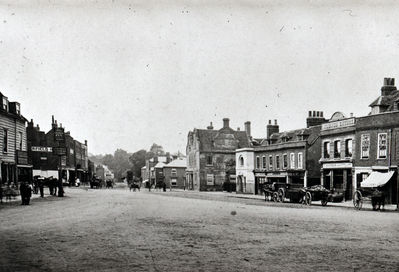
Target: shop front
(338, 177)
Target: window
(173, 181)
(277, 162)
(382, 145)
(257, 162)
(209, 179)
(19, 141)
(173, 172)
(270, 162)
(5, 140)
(326, 148)
(365, 146)
(348, 148)
(285, 161)
(17, 109)
(300, 160)
(264, 162)
(292, 160)
(5, 104)
(241, 161)
(337, 149)
(209, 160)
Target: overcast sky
(125, 74)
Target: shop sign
(22, 157)
(59, 151)
(41, 149)
(337, 165)
(338, 124)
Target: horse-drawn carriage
(280, 192)
(96, 183)
(371, 190)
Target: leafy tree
(137, 159)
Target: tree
(121, 163)
(137, 159)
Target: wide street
(118, 230)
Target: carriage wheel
(324, 202)
(281, 195)
(308, 198)
(357, 200)
(275, 197)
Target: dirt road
(118, 230)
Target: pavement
(345, 204)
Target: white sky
(125, 74)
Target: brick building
(175, 174)
(211, 156)
(72, 164)
(288, 157)
(14, 162)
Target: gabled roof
(386, 100)
(159, 165)
(211, 139)
(288, 136)
(182, 163)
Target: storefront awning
(24, 166)
(376, 179)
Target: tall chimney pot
(226, 122)
(275, 122)
(247, 125)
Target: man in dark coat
(60, 188)
(41, 187)
(22, 190)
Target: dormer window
(5, 103)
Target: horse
(133, 186)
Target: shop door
(348, 189)
(256, 186)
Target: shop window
(365, 146)
(270, 162)
(382, 145)
(285, 161)
(257, 162)
(326, 148)
(337, 149)
(277, 162)
(300, 160)
(348, 148)
(5, 140)
(209, 160)
(292, 160)
(264, 162)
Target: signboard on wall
(41, 149)
(338, 124)
(59, 151)
(59, 134)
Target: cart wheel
(357, 200)
(275, 197)
(281, 195)
(324, 202)
(308, 198)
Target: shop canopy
(376, 179)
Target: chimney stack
(315, 118)
(389, 86)
(247, 125)
(270, 129)
(238, 129)
(53, 122)
(210, 126)
(85, 142)
(226, 122)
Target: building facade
(15, 166)
(175, 174)
(211, 156)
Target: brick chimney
(53, 122)
(270, 129)
(388, 87)
(226, 122)
(210, 126)
(248, 128)
(315, 118)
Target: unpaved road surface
(118, 230)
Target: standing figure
(60, 188)
(49, 182)
(22, 190)
(41, 187)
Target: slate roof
(386, 100)
(288, 136)
(177, 163)
(159, 165)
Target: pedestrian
(22, 191)
(60, 188)
(28, 193)
(49, 182)
(164, 186)
(77, 183)
(41, 187)
(54, 182)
